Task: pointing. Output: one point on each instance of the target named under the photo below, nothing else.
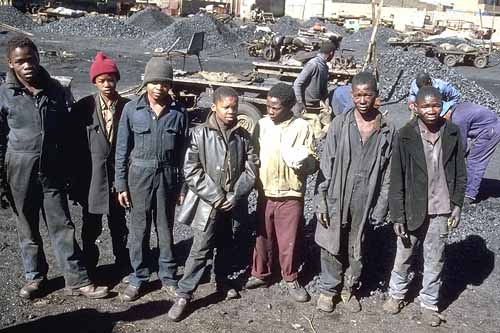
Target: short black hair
(365, 78)
(20, 41)
(423, 79)
(426, 92)
(283, 92)
(327, 47)
(223, 92)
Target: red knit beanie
(103, 65)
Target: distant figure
(449, 93)
(480, 134)
(341, 100)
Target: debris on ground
(13, 17)
(98, 26)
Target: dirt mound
(13, 17)
(150, 20)
(399, 68)
(287, 26)
(92, 26)
(217, 35)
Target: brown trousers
(279, 238)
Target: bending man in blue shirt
(449, 93)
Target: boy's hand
(400, 229)
(226, 206)
(455, 217)
(323, 219)
(180, 199)
(124, 199)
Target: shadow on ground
(468, 262)
(91, 320)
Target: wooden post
(371, 45)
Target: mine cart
(479, 57)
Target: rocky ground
(471, 297)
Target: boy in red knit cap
(96, 118)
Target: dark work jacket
(408, 198)
(34, 137)
(95, 156)
(151, 144)
(208, 159)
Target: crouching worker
(428, 178)
(220, 170)
(97, 117)
(287, 155)
(352, 191)
(34, 152)
(150, 148)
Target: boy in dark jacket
(426, 193)
(97, 117)
(220, 172)
(149, 152)
(34, 145)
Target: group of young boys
(139, 156)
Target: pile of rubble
(92, 27)
(11, 16)
(287, 26)
(328, 25)
(150, 20)
(361, 38)
(217, 35)
(398, 68)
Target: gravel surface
(150, 20)
(217, 35)
(92, 26)
(398, 68)
(287, 26)
(13, 17)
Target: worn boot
(32, 289)
(350, 301)
(393, 306)
(131, 293)
(254, 283)
(431, 317)
(91, 291)
(325, 303)
(178, 309)
(226, 289)
(297, 292)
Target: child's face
(276, 111)
(226, 110)
(106, 84)
(158, 91)
(428, 109)
(24, 61)
(363, 97)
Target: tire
(480, 61)
(270, 53)
(450, 60)
(248, 116)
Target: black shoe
(298, 293)
(32, 289)
(178, 309)
(131, 293)
(254, 283)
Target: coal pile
(361, 38)
(328, 25)
(217, 35)
(287, 26)
(398, 68)
(13, 17)
(92, 27)
(150, 20)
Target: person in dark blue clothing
(480, 134)
(341, 100)
(150, 149)
(34, 144)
